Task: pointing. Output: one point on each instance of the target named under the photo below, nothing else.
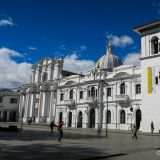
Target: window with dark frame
(37, 100)
(1, 99)
(109, 92)
(138, 88)
(62, 97)
(155, 45)
(44, 77)
(81, 95)
(156, 79)
(122, 88)
(71, 94)
(13, 100)
(92, 92)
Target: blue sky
(73, 29)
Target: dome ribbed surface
(108, 61)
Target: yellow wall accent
(149, 71)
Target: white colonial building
(108, 95)
(9, 101)
(150, 74)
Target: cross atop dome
(109, 38)
(109, 46)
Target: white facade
(82, 100)
(9, 101)
(150, 64)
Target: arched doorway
(79, 124)
(138, 118)
(122, 117)
(70, 119)
(108, 116)
(60, 117)
(92, 118)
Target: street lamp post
(107, 114)
(100, 116)
(22, 118)
(131, 109)
(101, 84)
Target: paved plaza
(36, 142)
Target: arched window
(154, 45)
(44, 77)
(92, 92)
(122, 117)
(108, 116)
(71, 94)
(122, 88)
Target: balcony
(91, 100)
(123, 100)
(70, 103)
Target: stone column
(7, 116)
(52, 109)
(33, 76)
(32, 104)
(21, 106)
(39, 117)
(50, 73)
(26, 106)
(56, 70)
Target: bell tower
(150, 74)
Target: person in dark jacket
(152, 127)
(135, 129)
(60, 131)
(52, 126)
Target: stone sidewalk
(36, 142)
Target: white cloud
(13, 74)
(7, 22)
(73, 64)
(32, 48)
(62, 47)
(122, 41)
(132, 58)
(156, 5)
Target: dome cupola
(109, 60)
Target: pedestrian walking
(135, 129)
(52, 126)
(152, 127)
(29, 120)
(60, 131)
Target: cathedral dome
(108, 61)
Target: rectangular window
(1, 99)
(138, 88)
(81, 95)
(37, 100)
(109, 92)
(156, 79)
(96, 92)
(13, 100)
(61, 96)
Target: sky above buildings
(75, 30)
